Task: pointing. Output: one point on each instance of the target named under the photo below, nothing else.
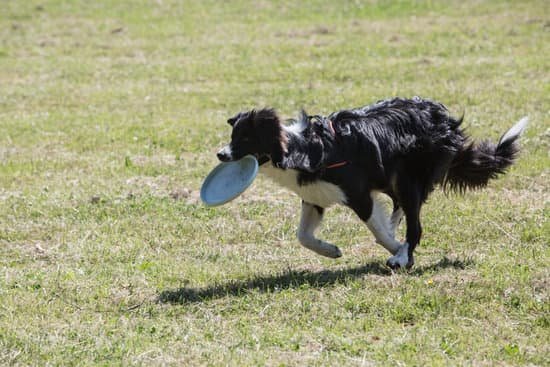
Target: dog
(402, 148)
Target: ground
(110, 117)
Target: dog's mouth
(262, 158)
(226, 155)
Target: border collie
(400, 147)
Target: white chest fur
(321, 193)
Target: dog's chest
(321, 193)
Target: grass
(110, 115)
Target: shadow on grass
(293, 279)
(444, 263)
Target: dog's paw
(401, 259)
(329, 250)
(337, 252)
(320, 247)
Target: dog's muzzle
(225, 154)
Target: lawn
(110, 116)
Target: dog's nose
(222, 157)
(224, 154)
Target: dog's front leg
(312, 215)
(395, 219)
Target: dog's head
(256, 132)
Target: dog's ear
(233, 120)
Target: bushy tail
(477, 163)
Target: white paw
(401, 258)
(328, 250)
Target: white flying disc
(228, 180)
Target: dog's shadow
(293, 279)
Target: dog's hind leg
(371, 211)
(312, 215)
(411, 206)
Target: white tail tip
(515, 130)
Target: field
(110, 117)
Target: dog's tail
(477, 163)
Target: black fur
(402, 147)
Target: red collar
(336, 165)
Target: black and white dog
(401, 147)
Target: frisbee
(228, 180)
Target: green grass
(110, 115)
